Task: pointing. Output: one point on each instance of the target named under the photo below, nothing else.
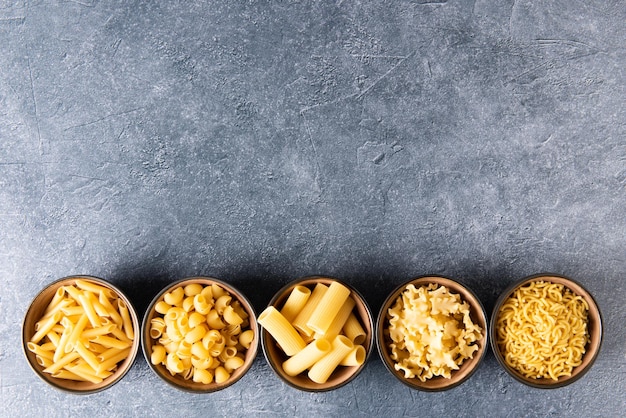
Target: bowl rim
(546, 277)
(130, 360)
(422, 280)
(264, 335)
(212, 387)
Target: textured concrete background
(146, 141)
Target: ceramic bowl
(38, 364)
(594, 327)
(467, 368)
(186, 383)
(342, 374)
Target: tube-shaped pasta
(126, 321)
(157, 326)
(56, 299)
(110, 342)
(40, 351)
(307, 357)
(94, 319)
(328, 307)
(45, 327)
(356, 357)
(353, 330)
(62, 362)
(323, 368)
(303, 317)
(113, 313)
(95, 288)
(87, 355)
(295, 302)
(203, 363)
(76, 332)
(340, 319)
(112, 361)
(283, 332)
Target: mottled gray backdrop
(374, 141)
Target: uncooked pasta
(542, 330)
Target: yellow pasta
(304, 359)
(431, 332)
(328, 307)
(542, 330)
(281, 330)
(295, 302)
(323, 368)
(319, 345)
(201, 333)
(353, 330)
(339, 321)
(356, 357)
(72, 345)
(300, 322)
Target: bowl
(42, 360)
(594, 328)
(342, 374)
(468, 366)
(187, 381)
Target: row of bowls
(375, 334)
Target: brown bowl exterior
(35, 312)
(178, 381)
(594, 327)
(469, 366)
(340, 377)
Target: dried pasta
(431, 332)
(84, 315)
(314, 339)
(202, 336)
(542, 330)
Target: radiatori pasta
(84, 333)
(542, 330)
(431, 332)
(202, 335)
(310, 329)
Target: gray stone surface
(146, 141)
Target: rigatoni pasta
(314, 339)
